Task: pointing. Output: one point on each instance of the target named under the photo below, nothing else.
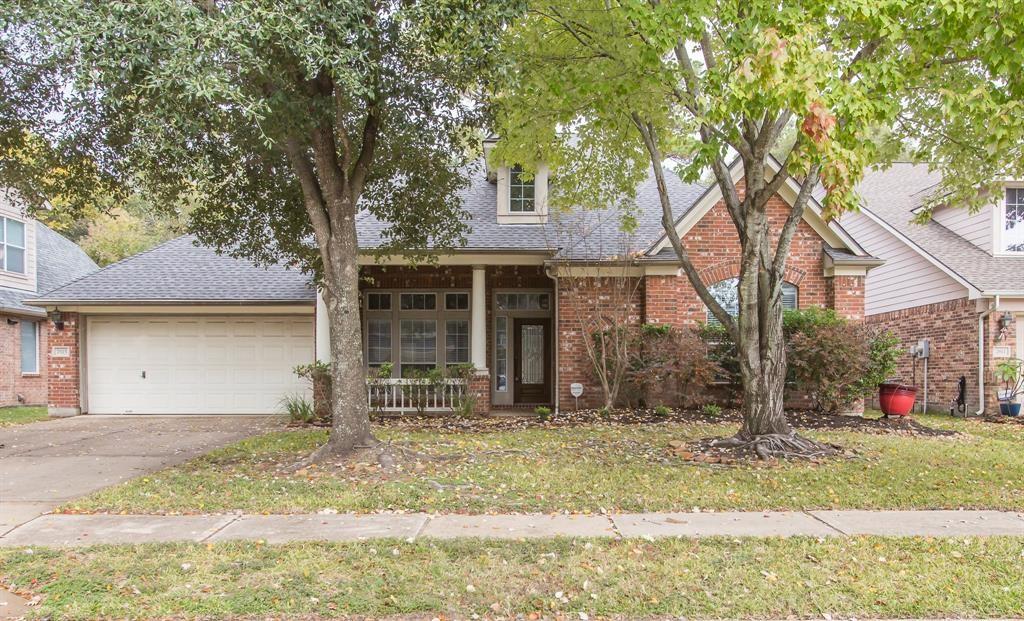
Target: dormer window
(521, 194)
(12, 245)
(1012, 225)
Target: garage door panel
(200, 365)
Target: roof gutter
(85, 302)
(21, 312)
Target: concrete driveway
(43, 465)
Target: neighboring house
(33, 259)
(180, 329)
(957, 281)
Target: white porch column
(322, 347)
(478, 319)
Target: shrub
(837, 363)
(662, 410)
(298, 408)
(543, 413)
(831, 360)
(710, 409)
(669, 365)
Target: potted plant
(1010, 373)
(896, 399)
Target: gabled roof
(179, 271)
(58, 261)
(890, 197)
(580, 234)
(832, 232)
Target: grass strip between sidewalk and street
(865, 577)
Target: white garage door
(194, 365)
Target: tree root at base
(780, 446)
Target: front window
(456, 344)
(12, 245)
(727, 294)
(1013, 221)
(378, 342)
(521, 192)
(29, 347)
(418, 346)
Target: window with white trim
(12, 245)
(521, 198)
(727, 294)
(29, 347)
(1012, 226)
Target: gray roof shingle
(579, 234)
(58, 262)
(892, 195)
(181, 271)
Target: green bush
(298, 409)
(662, 410)
(831, 360)
(543, 413)
(710, 409)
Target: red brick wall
(1009, 340)
(63, 380)
(952, 328)
(30, 388)
(846, 295)
(581, 304)
(714, 248)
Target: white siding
(26, 281)
(975, 228)
(907, 279)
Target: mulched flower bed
(641, 416)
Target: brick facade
(714, 249)
(584, 303)
(64, 373)
(846, 296)
(17, 388)
(952, 328)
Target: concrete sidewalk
(79, 530)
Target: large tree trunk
(350, 427)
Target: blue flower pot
(1009, 409)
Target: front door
(532, 377)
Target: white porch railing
(415, 395)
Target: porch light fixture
(12, 322)
(1004, 325)
(57, 319)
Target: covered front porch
(455, 337)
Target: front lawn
(19, 415)
(866, 577)
(587, 468)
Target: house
(957, 281)
(33, 259)
(180, 329)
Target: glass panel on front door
(532, 363)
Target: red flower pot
(896, 399)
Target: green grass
(587, 469)
(710, 578)
(20, 415)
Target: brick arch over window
(731, 269)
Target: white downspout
(547, 272)
(981, 361)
